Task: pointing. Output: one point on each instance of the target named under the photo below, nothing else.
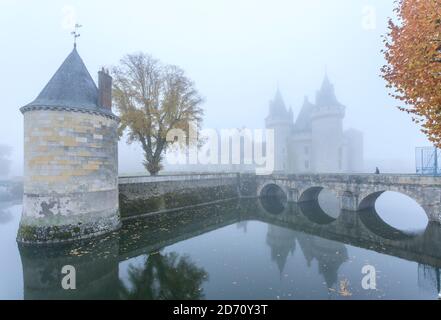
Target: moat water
(248, 249)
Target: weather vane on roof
(76, 34)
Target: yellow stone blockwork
(56, 152)
(49, 179)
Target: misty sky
(237, 52)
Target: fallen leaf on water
(344, 290)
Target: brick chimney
(104, 89)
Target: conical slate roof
(303, 122)
(277, 105)
(70, 87)
(326, 95)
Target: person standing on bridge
(377, 171)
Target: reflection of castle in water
(242, 225)
(97, 261)
(282, 242)
(429, 278)
(330, 255)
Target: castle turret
(280, 120)
(70, 158)
(354, 150)
(282, 242)
(301, 139)
(327, 130)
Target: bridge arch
(273, 198)
(426, 202)
(370, 197)
(375, 224)
(312, 206)
(398, 214)
(314, 213)
(368, 201)
(271, 188)
(310, 194)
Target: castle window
(306, 164)
(306, 150)
(340, 158)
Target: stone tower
(280, 120)
(327, 131)
(70, 158)
(301, 159)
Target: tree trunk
(153, 166)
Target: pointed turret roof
(70, 87)
(282, 242)
(326, 95)
(303, 122)
(277, 105)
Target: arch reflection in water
(95, 263)
(320, 205)
(392, 215)
(314, 213)
(273, 199)
(376, 225)
(401, 212)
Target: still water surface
(236, 250)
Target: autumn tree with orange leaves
(413, 55)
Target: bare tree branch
(151, 99)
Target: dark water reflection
(249, 249)
(164, 276)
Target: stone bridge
(355, 192)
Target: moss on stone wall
(32, 233)
(248, 186)
(29, 233)
(171, 200)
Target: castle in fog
(315, 141)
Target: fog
(237, 52)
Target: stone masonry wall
(142, 195)
(70, 170)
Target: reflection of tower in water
(330, 255)
(242, 225)
(95, 263)
(429, 278)
(282, 242)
